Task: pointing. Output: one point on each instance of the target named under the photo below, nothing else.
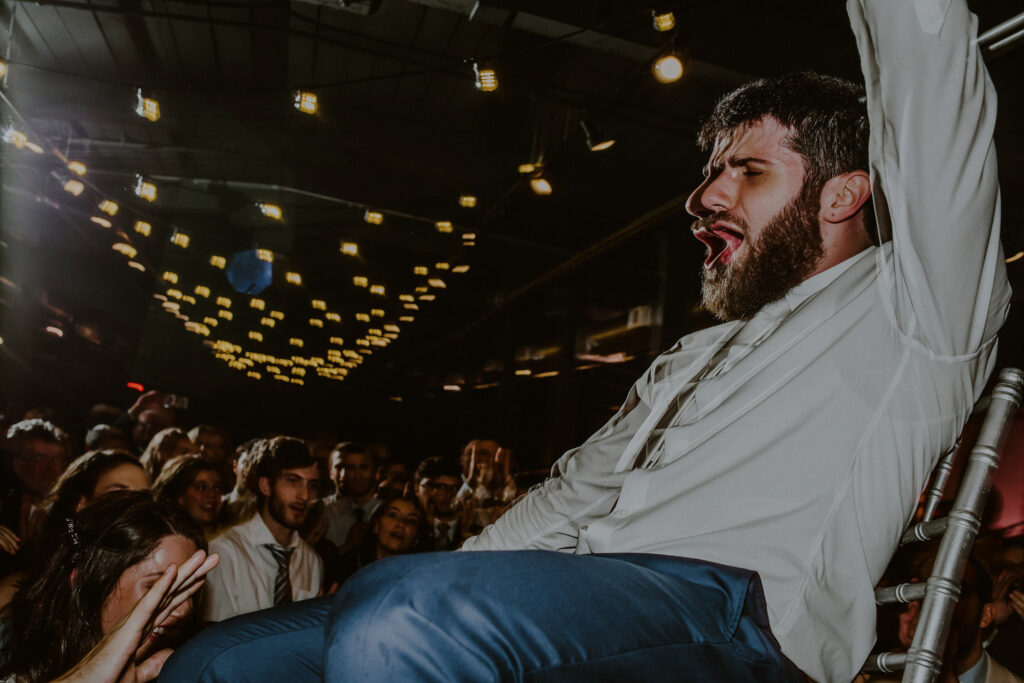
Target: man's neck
(282, 534)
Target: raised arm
(932, 110)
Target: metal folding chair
(939, 594)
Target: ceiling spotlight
(306, 102)
(143, 228)
(667, 69)
(350, 248)
(663, 21)
(147, 107)
(467, 201)
(109, 207)
(540, 185)
(75, 187)
(596, 140)
(76, 167)
(443, 226)
(486, 79)
(374, 217)
(145, 190)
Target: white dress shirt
(797, 444)
(243, 580)
(340, 512)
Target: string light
(170, 277)
(3, 69)
(125, 248)
(467, 201)
(410, 307)
(442, 265)
(468, 236)
(223, 302)
(76, 167)
(137, 266)
(175, 294)
(258, 304)
(319, 304)
(145, 190)
(360, 281)
(227, 315)
(667, 69)
(293, 278)
(306, 102)
(180, 239)
(526, 169)
(460, 269)
(16, 138)
(377, 312)
(268, 322)
(363, 317)
(277, 315)
(218, 261)
(373, 217)
(406, 318)
(143, 228)
(392, 328)
(270, 210)
(436, 282)
(406, 297)
(75, 187)
(350, 248)
(295, 341)
(147, 107)
(337, 340)
(333, 317)
(212, 322)
(665, 21)
(377, 289)
(255, 336)
(540, 186)
(203, 291)
(316, 322)
(420, 270)
(486, 79)
(427, 297)
(443, 226)
(265, 255)
(109, 207)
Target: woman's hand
(9, 541)
(121, 655)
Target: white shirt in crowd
(243, 580)
(797, 444)
(341, 515)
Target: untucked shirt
(243, 580)
(796, 444)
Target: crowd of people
(83, 540)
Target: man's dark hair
(345, 447)
(431, 468)
(278, 454)
(827, 116)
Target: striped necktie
(282, 584)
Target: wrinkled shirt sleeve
(583, 486)
(932, 110)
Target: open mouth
(722, 242)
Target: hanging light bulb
(596, 141)
(540, 185)
(75, 187)
(306, 102)
(109, 207)
(143, 228)
(76, 167)
(667, 69)
(486, 79)
(270, 210)
(663, 21)
(218, 261)
(147, 107)
(373, 217)
(467, 201)
(443, 226)
(350, 248)
(144, 189)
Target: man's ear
(264, 484)
(988, 613)
(843, 196)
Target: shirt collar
(977, 673)
(814, 284)
(257, 533)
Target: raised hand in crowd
(122, 655)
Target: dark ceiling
(599, 267)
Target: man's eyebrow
(746, 161)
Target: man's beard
(783, 255)
(279, 513)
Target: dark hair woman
(166, 444)
(194, 485)
(397, 527)
(99, 569)
(90, 476)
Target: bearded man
(730, 522)
(264, 561)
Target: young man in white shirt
(353, 469)
(264, 562)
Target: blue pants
(505, 616)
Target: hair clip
(76, 542)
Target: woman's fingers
(150, 669)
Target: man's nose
(713, 195)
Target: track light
(596, 140)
